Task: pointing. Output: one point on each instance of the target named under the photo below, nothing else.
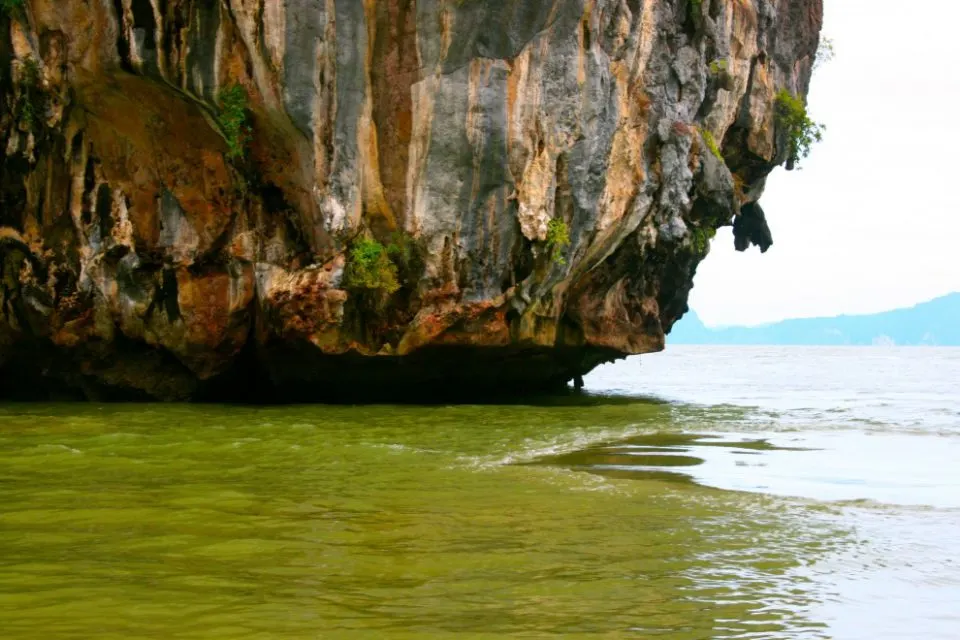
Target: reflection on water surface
(650, 456)
(739, 518)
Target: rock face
(419, 195)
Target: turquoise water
(705, 493)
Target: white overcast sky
(872, 222)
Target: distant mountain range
(930, 323)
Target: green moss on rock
(711, 143)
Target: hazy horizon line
(817, 317)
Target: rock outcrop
(309, 199)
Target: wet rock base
(298, 373)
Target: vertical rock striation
(422, 195)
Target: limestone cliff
(309, 198)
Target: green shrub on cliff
(718, 66)
(10, 7)
(402, 250)
(802, 132)
(700, 239)
(370, 268)
(825, 52)
(558, 239)
(233, 120)
(32, 103)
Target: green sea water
(603, 516)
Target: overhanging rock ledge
(310, 199)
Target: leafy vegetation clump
(233, 120)
(802, 132)
(32, 102)
(825, 52)
(700, 239)
(711, 143)
(558, 239)
(719, 66)
(9, 7)
(402, 251)
(370, 268)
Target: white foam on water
(532, 449)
